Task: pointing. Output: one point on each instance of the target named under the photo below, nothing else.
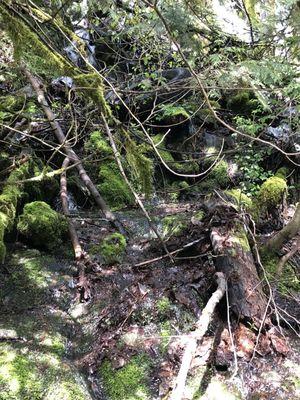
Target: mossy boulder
(271, 192)
(129, 382)
(41, 225)
(111, 249)
(239, 198)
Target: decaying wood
(195, 336)
(38, 87)
(234, 258)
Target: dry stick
(79, 253)
(138, 200)
(197, 335)
(70, 152)
(81, 257)
(153, 260)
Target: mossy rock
(239, 198)
(111, 249)
(41, 225)
(129, 382)
(271, 192)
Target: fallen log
(234, 258)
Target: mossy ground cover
(36, 366)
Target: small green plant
(252, 173)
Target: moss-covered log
(235, 260)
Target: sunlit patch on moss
(129, 382)
(111, 249)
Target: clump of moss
(43, 226)
(220, 173)
(271, 192)
(239, 236)
(112, 248)
(240, 198)
(163, 306)
(173, 225)
(129, 382)
(113, 187)
(242, 102)
(96, 143)
(141, 166)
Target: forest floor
(126, 342)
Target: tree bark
(234, 258)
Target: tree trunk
(235, 260)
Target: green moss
(178, 188)
(29, 48)
(112, 248)
(113, 187)
(91, 84)
(166, 333)
(163, 306)
(243, 102)
(41, 225)
(129, 382)
(239, 236)
(173, 225)
(282, 173)
(11, 103)
(240, 198)
(32, 375)
(141, 166)
(288, 281)
(271, 192)
(97, 144)
(11, 194)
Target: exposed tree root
(196, 336)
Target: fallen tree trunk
(38, 87)
(234, 258)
